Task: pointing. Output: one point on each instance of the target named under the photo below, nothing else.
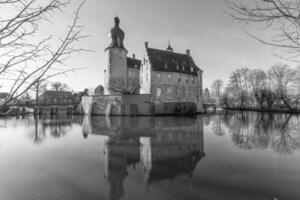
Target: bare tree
(24, 60)
(281, 18)
(216, 88)
(58, 86)
(39, 87)
(257, 79)
(297, 82)
(282, 77)
(238, 85)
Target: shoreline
(274, 110)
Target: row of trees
(279, 86)
(42, 87)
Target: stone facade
(170, 77)
(115, 72)
(133, 71)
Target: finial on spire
(169, 46)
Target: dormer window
(166, 65)
(192, 69)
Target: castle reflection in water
(166, 147)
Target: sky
(218, 44)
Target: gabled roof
(167, 61)
(133, 63)
(3, 95)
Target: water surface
(229, 156)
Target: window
(177, 67)
(130, 73)
(158, 75)
(169, 76)
(179, 92)
(166, 65)
(192, 69)
(182, 67)
(169, 92)
(158, 92)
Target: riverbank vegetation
(277, 88)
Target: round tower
(115, 71)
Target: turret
(115, 72)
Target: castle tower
(115, 71)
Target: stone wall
(115, 71)
(145, 76)
(133, 81)
(117, 105)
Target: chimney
(146, 45)
(188, 52)
(133, 56)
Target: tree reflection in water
(54, 126)
(250, 130)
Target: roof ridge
(169, 52)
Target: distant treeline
(277, 87)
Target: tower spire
(117, 35)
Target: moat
(234, 155)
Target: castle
(162, 83)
